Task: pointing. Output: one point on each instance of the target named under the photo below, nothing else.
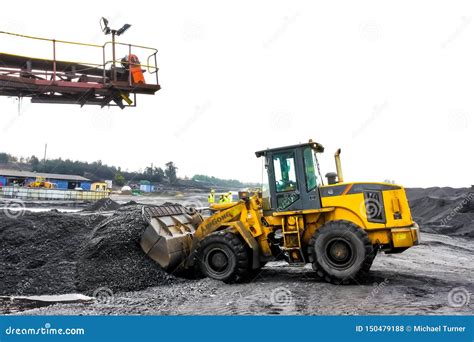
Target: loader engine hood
(378, 204)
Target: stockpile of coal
(113, 258)
(38, 252)
(104, 204)
(55, 253)
(443, 210)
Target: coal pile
(104, 204)
(113, 258)
(443, 210)
(56, 253)
(38, 252)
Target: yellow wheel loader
(40, 182)
(338, 227)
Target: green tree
(159, 174)
(34, 162)
(119, 179)
(170, 172)
(148, 171)
(4, 158)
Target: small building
(23, 178)
(146, 186)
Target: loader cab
(292, 181)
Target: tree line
(99, 171)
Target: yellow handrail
(77, 43)
(49, 40)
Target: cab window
(310, 169)
(285, 173)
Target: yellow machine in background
(41, 182)
(99, 186)
(338, 228)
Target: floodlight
(123, 29)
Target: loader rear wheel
(223, 256)
(341, 252)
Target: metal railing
(16, 192)
(151, 59)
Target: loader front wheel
(223, 256)
(341, 252)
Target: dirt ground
(418, 281)
(434, 278)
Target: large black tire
(341, 252)
(223, 256)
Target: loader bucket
(168, 237)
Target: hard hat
(230, 192)
(212, 190)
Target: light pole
(104, 24)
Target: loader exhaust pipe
(340, 178)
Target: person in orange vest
(135, 69)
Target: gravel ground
(416, 282)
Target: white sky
(391, 83)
